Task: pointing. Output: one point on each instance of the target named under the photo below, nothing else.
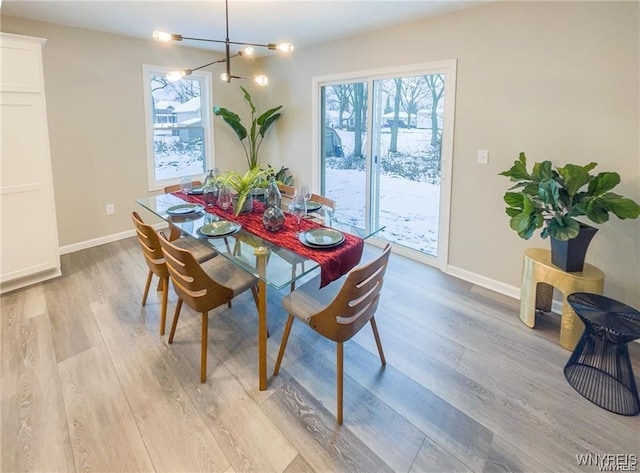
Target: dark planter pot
(569, 255)
(246, 207)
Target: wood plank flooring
(88, 385)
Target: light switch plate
(483, 156)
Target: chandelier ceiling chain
(226, 76)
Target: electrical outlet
(111, 209)
(483, 156)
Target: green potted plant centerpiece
(553, 197)
(257, 129)
(242, 185)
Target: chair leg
(146, 288)
(283, 344)
(376, 335)
(165, 298)
(159, 288)
(339, 378)
(203, 347)
(174, 324)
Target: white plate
(184, 209)
(219, 228)
(304, 241)
(323, 236)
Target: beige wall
(93, 84)
(559, 81)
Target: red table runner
(334, 262)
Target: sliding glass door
(385, 154)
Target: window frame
(448, 67)
(206, 112)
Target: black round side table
(599, 368)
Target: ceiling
(301, 22)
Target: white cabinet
(28, 229)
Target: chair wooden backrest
(176, 187)
(287, 191)
(356, 302)
(150, 244)
(190, 282)
(326, 201)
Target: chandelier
(227, 75)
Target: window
(178, 124)
(384, 142)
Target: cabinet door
(28, 227)
(28, 237)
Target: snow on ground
(408, 209)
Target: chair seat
(229, 275)
(200, 252)
(308, 300)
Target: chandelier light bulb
(162, 36)
(249, 51)
(284, 47)
(175, 76)
(224, 77)
(261, 80)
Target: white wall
(558, 80)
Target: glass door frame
(446, 67)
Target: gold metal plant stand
(540, 276)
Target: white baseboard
(83, 245)
(497, 286)
(26, 281)
(483, 281)
(493, 285)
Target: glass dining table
(272, 262)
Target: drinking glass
(305, 191)
(329, 213)
(298, 207)
(225, 198)
(185, 184)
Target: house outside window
(178, 125)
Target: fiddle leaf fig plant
(557, 195)
(258, 127)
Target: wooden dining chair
(176, 187)
(354, 305)
(150, 244)
(322, 200)
(287, 191)
(203, 287)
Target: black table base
(602, 373)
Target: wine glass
(305, 191)
(225, 198)
(298, 207)
(185, 185)
(329, 212)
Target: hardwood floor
(89, 385)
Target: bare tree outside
(407, 145)
(178, 133)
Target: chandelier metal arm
(261, 80)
